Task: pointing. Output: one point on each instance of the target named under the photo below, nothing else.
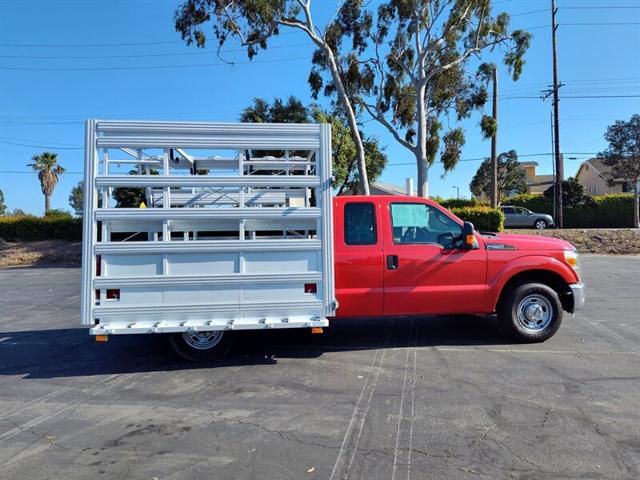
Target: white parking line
(349, 445)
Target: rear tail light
(113, 294)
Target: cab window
(360, 224)
(417, 223)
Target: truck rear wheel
(530, 313)
(201, 346)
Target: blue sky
(52, 78)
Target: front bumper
(577, 292)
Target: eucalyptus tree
(254, 23)
(49, 172)
(345, 175)
(408, 65)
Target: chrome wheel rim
(540, 224)
(535, 313)
(203, 340)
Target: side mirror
(446, 240)
(469, 240)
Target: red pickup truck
(397, 255)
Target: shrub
(31, 228)
(602, 211)
(535, 203)
(608, 211)
(462, 203)
(57, 213)
(485, 219)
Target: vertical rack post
(323, 169)
(166, 204)
(89, 227)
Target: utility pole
(494, 142)
(559, 213)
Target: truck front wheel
(530, 313)
(201, 346)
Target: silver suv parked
(522, 217)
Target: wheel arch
(546, 277)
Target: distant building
(384, 188)
(592, 176)
(536, 184)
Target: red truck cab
(399, 256)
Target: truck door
(358, 257)
(424, 270)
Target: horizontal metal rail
(175, 326)
(206, 142)
(182, 280)
(248, 213)
(201, 246)
(218, 128)
(207, 310)
(232, 198)
(204, 181)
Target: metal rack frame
(165, 284)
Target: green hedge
(485, 219)
(535, 203)
(462, 203)
(31, 228)
(606, 211)
(609, 211)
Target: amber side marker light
(471, 239)
(571, 257)
(316, 330)
(102, 338)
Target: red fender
(522, 264)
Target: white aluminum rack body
(206, 226)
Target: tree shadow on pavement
(73, 352)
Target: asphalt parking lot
(403, 399)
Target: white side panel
(225, 239)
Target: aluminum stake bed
(231, 227)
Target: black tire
(540, 224)
(215, 346)
(530, 313)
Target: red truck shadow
(73, 352)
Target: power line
(41, 146)
(529, 13)
(90, 45)
(156, 67)
(479, 159)
(517, 97)
(144, 55)
(30, 140)
(27, 172)
(596, 24)
(600, 8)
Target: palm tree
(46, 164)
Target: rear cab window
(360, 224)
